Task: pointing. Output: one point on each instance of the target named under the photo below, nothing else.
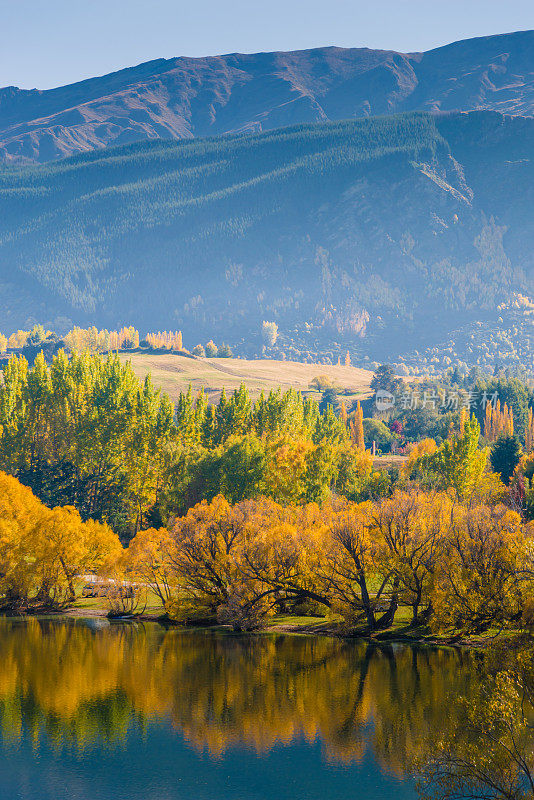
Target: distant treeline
(93, 340)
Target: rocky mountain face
(182, 98)
(385, 234)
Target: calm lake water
(135, 711)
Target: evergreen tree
(505, 455)
(329, 398)
(384, 379)
(225, 351)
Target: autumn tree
(347, 569)
(148, 559)
(410, 530)
(458, 462)
(356, 427)
(477, 585)
(43, 550)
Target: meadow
(174, 374)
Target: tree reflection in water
(490, 752)
(75, 685)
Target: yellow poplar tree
(356, 428)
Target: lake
(131, 711)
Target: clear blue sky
(45, 43)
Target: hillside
(182, 98)
(381, 236)
(174, 374)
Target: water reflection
(73, 686)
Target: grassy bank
(401, 631)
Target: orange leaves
(42, 550)
(417, 549)
(478, 584)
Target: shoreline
(313, 628)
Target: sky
(46, 43)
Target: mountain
(182, 98)
(385, 234)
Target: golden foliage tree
(356, 428)
(498, 422)
(42, 550)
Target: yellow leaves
(498, 422)
(148, 560)
(167, 341)
(426, 447)
(356, 428)
(287, 468)
(463, 419)
(42, 550)
(459, 464)
(419, 549)
(478, 582)
(488, 489)
(92, 340)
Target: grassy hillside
(174, 374)
(382, 235)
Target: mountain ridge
(187, 97)
(383, 234)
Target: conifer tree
(529, 436)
